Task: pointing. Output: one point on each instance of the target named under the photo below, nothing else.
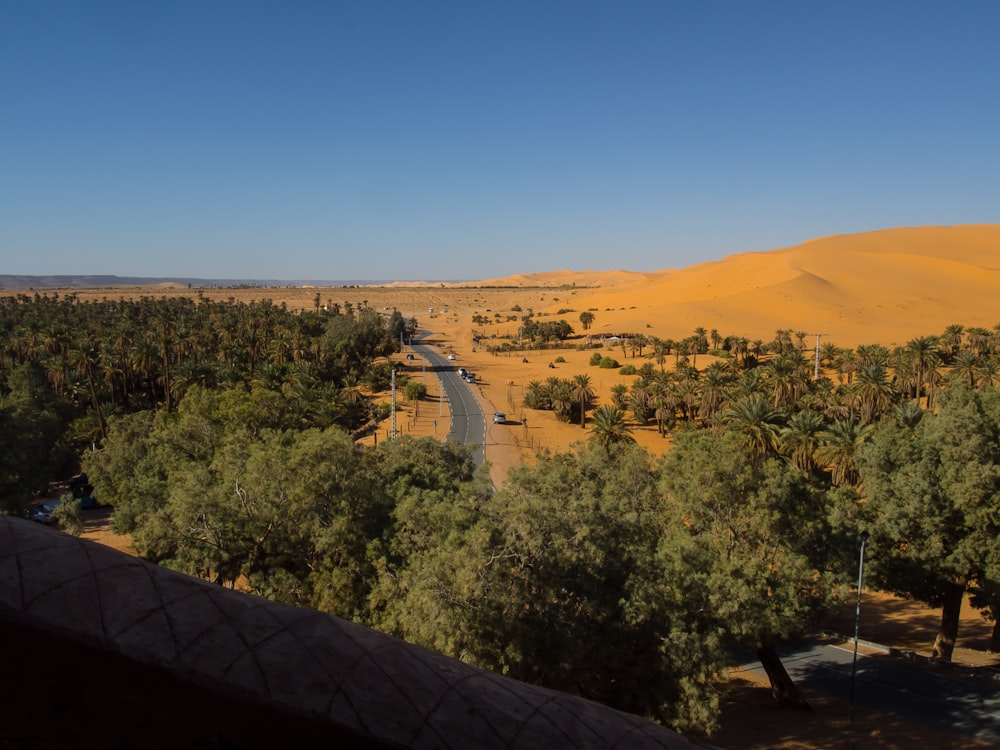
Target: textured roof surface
(298, 659)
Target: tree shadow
(908, 625)
(930, 694)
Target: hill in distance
(886, 286)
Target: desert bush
(414, 390)
(69, 516)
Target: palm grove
(226, 436)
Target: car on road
(499, 418)
(43, 512)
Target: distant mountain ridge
(69, 281)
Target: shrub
(560, 359)
(414, 390)
(628, 370)
(595, 359)
(69, 516)
(609, 363)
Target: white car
(452, 356)
(499, 418)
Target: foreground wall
(329, 672)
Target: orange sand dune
(878, 287)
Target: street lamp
(857, 625)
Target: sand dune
(878, 287)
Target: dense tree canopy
(931, 503)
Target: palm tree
(713, 389)
(715, 337)
(800, 439)
(872, 392)
(921, 349)
(839, 445)
(740, 347)
(562, 397)
(908, 415)
(619, 395)
(966, 368)
(535, 396)
(639, 341)
(952, 338)
(639, 401)
(608, 427)
(757, 423)
(787, 382)
(979, 339)
(583, 393)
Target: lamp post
(857, 625)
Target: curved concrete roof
(297, 659)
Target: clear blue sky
(440, 139)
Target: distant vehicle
(461, 372)
(452, 356)
(43, 513)
(470, 377)
(499, 418)
(409, 357)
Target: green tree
(756, 423)
(838, 448)
(550, 587)
(32, 422)
(608, 426)
(750, 541)
(931, 503)
(799, 439)
(583, 393)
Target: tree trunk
(951, 610)
(784, 691)
(995, 637)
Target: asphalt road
(934, 696)
(468, 423)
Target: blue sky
(439, 140)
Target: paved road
(468, 423)
(920, 693)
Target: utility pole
(857, 625)
(392, 434)
(818, 337)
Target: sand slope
(885, 286)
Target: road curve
(468, 422)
